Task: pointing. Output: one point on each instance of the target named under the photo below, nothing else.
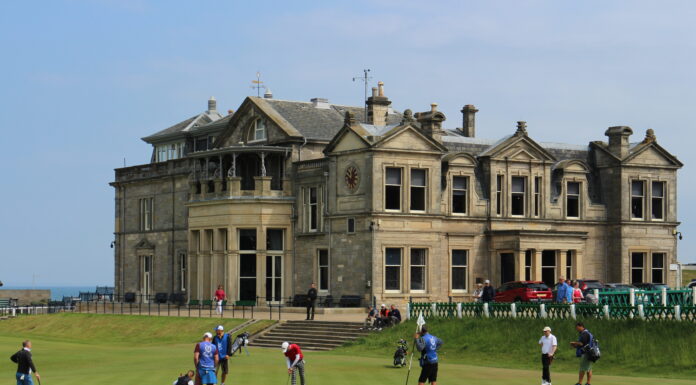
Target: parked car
(588, 285)
(651, 286)
(618, 287)
(524, 291)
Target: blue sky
(82, 81)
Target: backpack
(592, 350)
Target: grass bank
(117, 329)
(687, 276)
(629, 348)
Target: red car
(524, 291)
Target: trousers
(546, 364)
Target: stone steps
(310, 335)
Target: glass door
(274, 278)
(247, 277)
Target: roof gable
(407, 137)
(519, 147)
(651, 154)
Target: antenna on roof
(258, 84)
(366, 79)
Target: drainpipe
(326, 216)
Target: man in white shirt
(548, 344)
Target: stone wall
(26, 297)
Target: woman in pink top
(577, 293)
(219, 297)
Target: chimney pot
(268, 94)
(433, 107)
(380, 86)
(212, 104)
(374, 92)
(469, 120)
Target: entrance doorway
(507, 267)
(146, 288)
(274, 278)
(548, 267)
(247, 277)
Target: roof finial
(649, 136)
(407, 117)
(521, 128)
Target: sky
(82, 81)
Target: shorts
(585, 363)
(207, 375)
(24, 379)
(429, 373)
(224, 366)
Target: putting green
(66, 363)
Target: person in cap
(488, 294)
(428, 345)
(548, 344)
(185, 379)
(223, 343)
(295, 361)
(205, 359)
(383, 316)
(25, 365)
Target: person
(577, 293)
(205, 359)
(185, 379)
(223, 344)
(584, 339)
(394, 315)
(478, 292)
(295, 360)
(549, 344)
(564, 292)
(428, 345)
(25, 365)
(219, 297)
(371, 317)
(311, 300)
(383, 316)
(488, 294)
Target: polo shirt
(547, 343)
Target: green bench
(245, 303)
(4, 302)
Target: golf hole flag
(419, 326)
(420, 322)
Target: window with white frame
(637, 267)
(637, 199)
(460, 270)
(658, 200)
(145, 214)
(460, 185)
(418, 189)
(499, 194)
(573, 199)
(183, 265)
(517, 197)
(392, 189)
(658, 268)
(392, 269)
(323, 269)
(537, 196)
(418, 269)
(259, 129)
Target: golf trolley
(400, 353)
(242, 341)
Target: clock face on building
(352, 177)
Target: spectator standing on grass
(478, 292)
(295, 360)
(584, 339)
(25, 365)
(223, 343)
(311, 300)
(549, 344)
(185, 379)
(219, 297)
(564, 293)
(577, 293)
(428, 345)
(394, 315)
(488, 294)
(205, 359)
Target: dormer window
(259, 129)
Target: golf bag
(241, 341)
(400, 353)
(592, 350)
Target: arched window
(259, 130)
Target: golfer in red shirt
(295, 361)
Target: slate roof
(320, 123)
(189, 125)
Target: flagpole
(419, 324)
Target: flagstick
(413, 350)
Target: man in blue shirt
(428, 345)
(564, 292)
(205, 358)
(223, 344)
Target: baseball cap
(219, 327)
(207, 335)
(284, 346)
(547, 328)
(486, 281)
(383, 305)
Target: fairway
(105, 357)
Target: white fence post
(542, 310)
(641, 311)
(596, 294)
(664, 296)
(408, 311)
(693, 296)
(606, 312)
(433, 307)
(572, 311)
(632, 297)
(459, 310)
(486, 313)
(677, 312)
(14, 313)
(513, 310)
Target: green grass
(635, 348)
(687, 276)
(109, 350)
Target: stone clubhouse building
(377, 203)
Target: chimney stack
(431, 122)
(618, 140)
(469, 120)
(212, 104)
(378, 106)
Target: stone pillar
(561, 263)
(519, 265)
(234, 186)
(263, 185)
(536, 265)
(218, 186)
(578, 263)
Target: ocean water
(57, 292)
